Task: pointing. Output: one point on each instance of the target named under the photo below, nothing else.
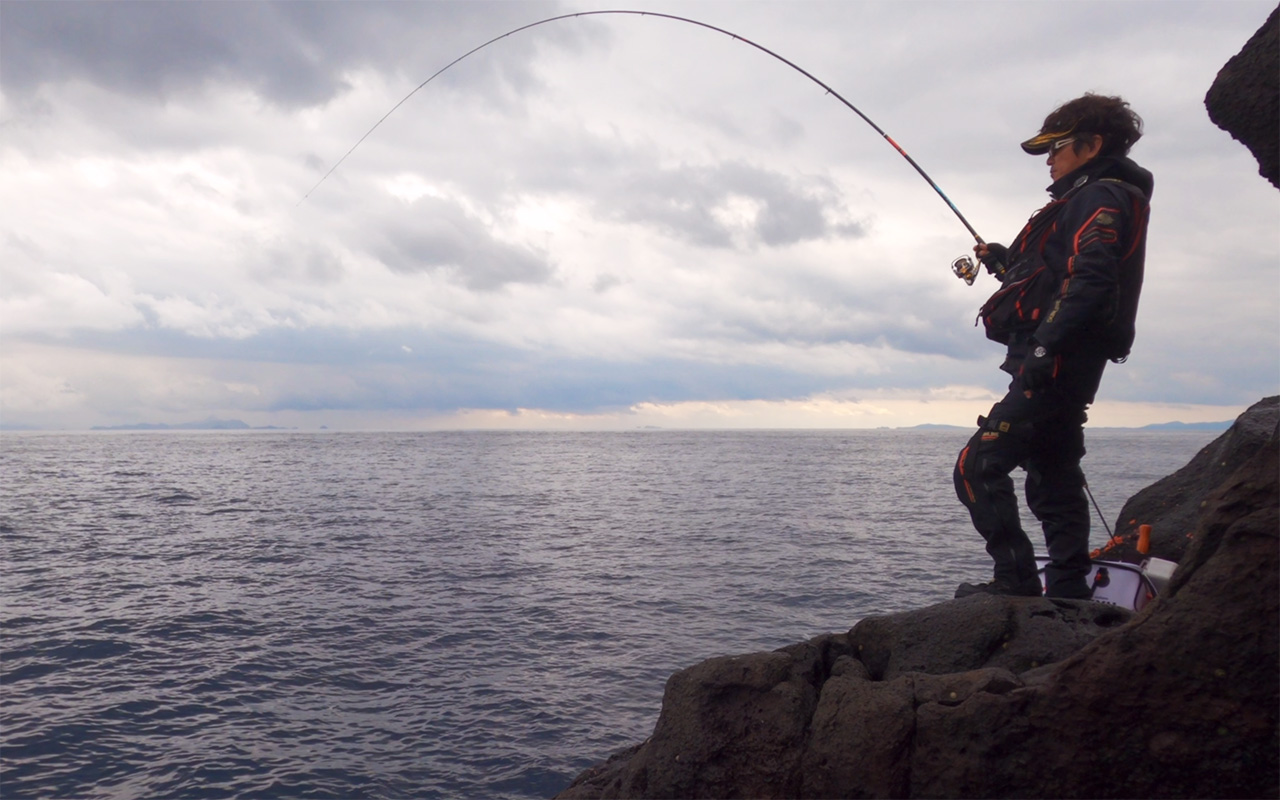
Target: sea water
(439, 614)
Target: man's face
(1063, 158)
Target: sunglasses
(1061, 143)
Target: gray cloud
(327, 368)
(910, 319)
(308, 262)
(292, 53)
(629, 182)
(436, 235)
(684, 202)
(702, 202)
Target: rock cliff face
(1017, 697)
(1008, 697)
(1172, 505)
(1245, 98)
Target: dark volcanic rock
(948, 701)
(1245, 98)
(1183, 702)
(980, 631)
(808, 718)
(733, 726)
(871, 752)
(1172, 505)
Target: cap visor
(1040, 143)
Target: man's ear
(1091, 146)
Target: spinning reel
(965, 269)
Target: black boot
(1004, 588)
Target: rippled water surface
(443, 614)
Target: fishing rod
(963, 266)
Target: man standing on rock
(1067, 303)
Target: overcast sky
(603, 222)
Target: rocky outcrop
(840, 710)
(979, 632)
(1245, 98)
(1173, 505)
(1005, 697)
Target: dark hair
(1095, 114)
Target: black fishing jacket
(1097, 249)
(1092, 236)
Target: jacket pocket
(1020, 303)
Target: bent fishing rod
(963, 266)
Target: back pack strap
(1129, 187)
(1036, 229)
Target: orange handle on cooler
(1144, 538)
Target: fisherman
(1067, 304)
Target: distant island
(1156, 426)
(1186, 426)
(205, 425)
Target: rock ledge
(1008, 697)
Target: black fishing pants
(1044, 434)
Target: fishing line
(708, 26)
(1098, 508)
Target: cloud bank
(601, 222)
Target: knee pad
(965, 474)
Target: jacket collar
(1085, 173)
(1102, 167)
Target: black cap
(1042, 141)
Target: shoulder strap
(1128, 187)
(1034, 232)
(1135, 193)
